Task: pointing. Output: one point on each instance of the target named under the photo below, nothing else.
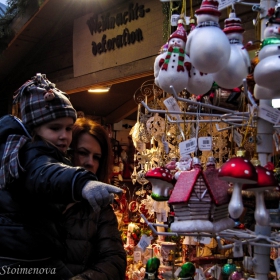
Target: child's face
(58, 132)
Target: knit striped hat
(180, 32)
(209, 7)
(41, 102)
(233, 24)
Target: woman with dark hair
(88, 137)
(95, 249)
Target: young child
(36, 181)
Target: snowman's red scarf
(181, 52)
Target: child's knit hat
(41, 102)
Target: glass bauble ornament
(152, 266)
(236, 275)
(187, 270)
(228, 269)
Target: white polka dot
(267, 173)
(245, 160)
(233, 165)
(163, 174)
(246, 171)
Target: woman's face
(87, 153)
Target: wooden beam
(108, 77)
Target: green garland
(14, 8)
(165, 26)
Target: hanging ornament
(207, 46)
(265, 93)
(171, 68)
(266, 72)
(198, 82)
(158, 61)
(236, 275)
(266, 181)
(237, 170)
(162, 183)
(228, 268)
(187, 271)
(152, 267)
(156, 126)
(237, 67)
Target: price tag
(144, 242)
(276, 141)
(277, 265)
(159, 217)
(237, 249)
(177, 272)
(187, 147)
(215, 271)
(202, 240)
(269, 114)
(163, 215)
(172, 105)
(237, 138)
(225, 3)
(136, 256)
(205, 143)
(199, 274)
(174, 20)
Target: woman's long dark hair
(85, 125)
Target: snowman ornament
(266, 72)
(238, 65)
(208, 47)
(171, 68)
(199, 83)
(159, 61)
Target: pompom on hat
(209, 7)
(233, 24)
(41, 102)
(180, 32)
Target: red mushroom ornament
(266, 181)
(239, 171)
(162, 183)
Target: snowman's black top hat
(276, 17)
